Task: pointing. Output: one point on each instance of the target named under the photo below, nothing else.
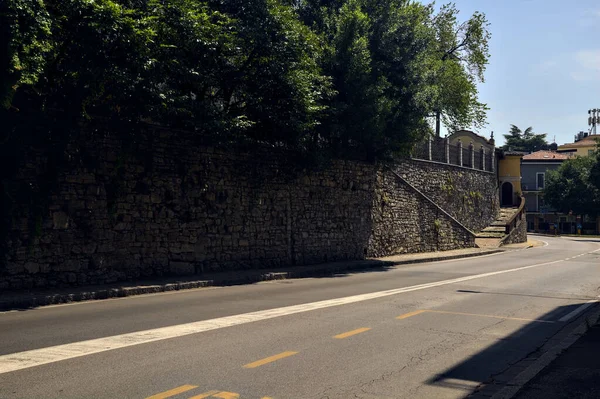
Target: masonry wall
(519, 233)
(469, 195)
(162, 205)
(405, 222)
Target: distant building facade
(534, 167)
(509, 178)
(466, 137)
(584, 145)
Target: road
(427, 330)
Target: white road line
(37, 357)
(580, 309)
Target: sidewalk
(575, 373)
(35, 298)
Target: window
(590, 152)
(541, 203)
(541, 179)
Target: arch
(507, 194)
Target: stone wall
(519, 233)
(469, 195)
(405, 222)
(162, 205)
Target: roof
(546, 156)
(589, 141)
(514, 153)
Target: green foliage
(351, 78)
(595, 172)
(24, 35)
(526, 141)
(448, 187)
(457, 59)
(571, 188)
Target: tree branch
(451, 52)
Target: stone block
(60, 220)
(32, 267)
(14, 268)
(181, 268)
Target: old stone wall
(405, 222)
(162, 205)
(469, 195)
(518, 234)
(166, 206)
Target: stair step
(495, 229)
(490, 235)
(487, 242)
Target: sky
(544, 69)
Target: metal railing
(438, 149)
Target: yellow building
(509, 177)
(466, 137)
(583, 147)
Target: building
(466, 137)
(509, 178)
(584, 145)
(534, 166)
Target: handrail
(512, 222)
(432, 202)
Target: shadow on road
(497, 363)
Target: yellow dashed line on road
(226, 395)
(269, 359)
(173, 392)
(204, 395)
(351, 333)
(407, 315)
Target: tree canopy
(526, 141)
(458, 60)
(572, 188)
(353, 78)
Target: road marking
(351, 333)
(173, 392)
(37, 357)
(226, 395)
(490, 316)
(269, 359)
(411, 314)
(580, 309)
(204, 395)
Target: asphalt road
(427, 330)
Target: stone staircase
(492, 236)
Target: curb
(513, 387)
(27, 302)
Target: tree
(375, 52)
(235, 70)
(595, 172)
(351, 78)
(570, 189)
(458, 59)
(526, 141)
(24, 38)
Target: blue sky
(545, 64)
